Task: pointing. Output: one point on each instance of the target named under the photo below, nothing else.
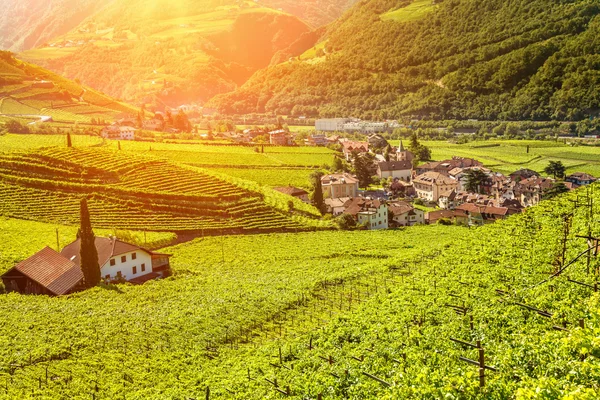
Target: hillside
(25, 24)
(31, 93)
(132, 191)
(482, 59)
(332, 315)
(160, 53)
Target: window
(143, 267)
(123, 259)
(107, 277)
(133, 256)
(119, 275)
(134, 270)
(112, 262)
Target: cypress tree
(69, 143)
(88, 254)
(318, 191)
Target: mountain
(484, 59)
(165, 52)
(31, 93)
(25, 24)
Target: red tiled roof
(474, 208)
(395, 166)
(292, 191)
(400, 208)
(51, 270)
(106, 247)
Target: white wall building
(120, 260)
(374, 215)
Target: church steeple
(401, 148)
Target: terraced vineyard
(33, 92)
(333, 315)
(126, 191)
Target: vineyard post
(481, 366)
(207, 393)
(57, 241)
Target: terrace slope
(129, 191)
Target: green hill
(483, 59)
(31, 93)
(188, 51)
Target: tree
(345, 222)
(422, 153)
(88, 254)
(475, 179)
(69, 143)
(555, 190)
(556, 169)
(364, 168)
(317, 196)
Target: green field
(415, 10)
(336, 315)
(509, 156)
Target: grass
(415, 10)
(271, 177)
(16, 142)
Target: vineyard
(508, 310)
(137, 192)
(507, 156)
(62, 99)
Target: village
(457, 191)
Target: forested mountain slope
(532, 59)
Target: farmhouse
(118, 132)
(298, 193)
(395, 169)
(580, 178)
(119, 260)
(46, 272)
(430, 185)
(55, 274)
(339, 185)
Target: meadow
(387, 315)
(507, 156)
(415, 10)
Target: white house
(120, 260)
(395, 169)
(372, 213)
(118, 132)
(404, 214)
